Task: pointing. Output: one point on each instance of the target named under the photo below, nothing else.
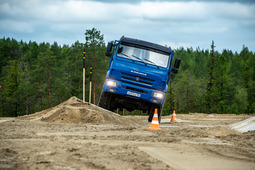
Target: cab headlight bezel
(111, 83)
(158, 95)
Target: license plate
(133, 94)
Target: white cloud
(175, 45)
(17, 26)
(82, 11)
(185, 23)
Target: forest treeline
(36, 76)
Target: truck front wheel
(151, 113)
(106, 101)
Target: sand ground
(74, 135)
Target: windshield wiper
(127, 56)
(151, 62)
(139, 59)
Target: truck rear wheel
(106, 101)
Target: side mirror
(176, 66)
(107, 54)
(177, 63)
(109, 50)
(174, 70)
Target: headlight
(111, 83)
(158, 95)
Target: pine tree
(248, 77)
(210, 102)
(12, 90)
(187, 92)
(94, 41)
(37, 76)
(222, 90)
(45, 74)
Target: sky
(229, 23)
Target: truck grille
(137, 81)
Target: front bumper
(133, 91)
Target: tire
(159, 116)
(106, 101)
(151, 114)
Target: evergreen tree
(37, 76)
(94, 41)
(187, 92)
(240, 101)
(222, 90)
(12, 91)
(73, 68)
(209, 98)
(45, 74)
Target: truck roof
(126, 40)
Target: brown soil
(74, 111)
(74, 135)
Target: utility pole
(84, 76)
(90, 84)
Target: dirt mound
(74, 111)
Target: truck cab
(137, 77)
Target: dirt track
(77, 136)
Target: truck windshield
(146, 56)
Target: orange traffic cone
(173, 119)
(154, 122)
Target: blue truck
(138, 76)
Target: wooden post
(90, 84)
(84, 76)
